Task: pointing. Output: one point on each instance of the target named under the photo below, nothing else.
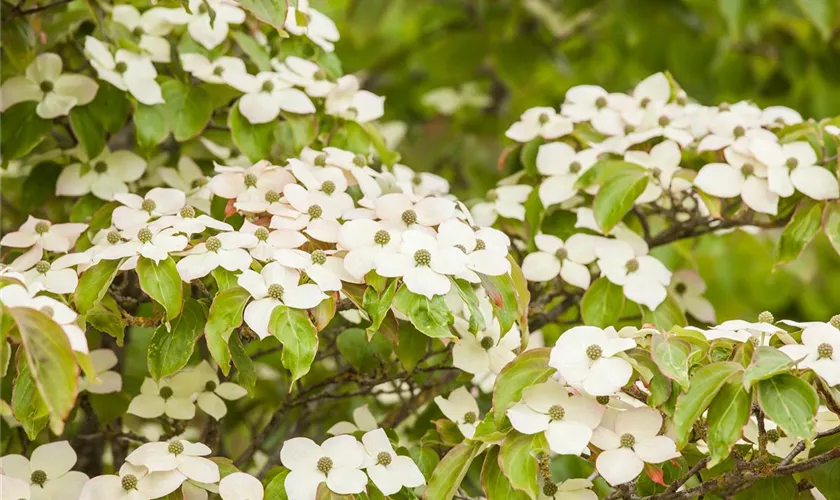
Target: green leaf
(495, 485)
(387, 156)
(276, 489)
(298, 336)
(225, 315)
(450, 472)
(162, 283)
(94, 284)
(801, 229)
(272, 12)
(705, 385)
(18, 39)
(363, 355)
(426, 459)
(518, 461)
(169, 351)
(224, 279)
(150, 125)
(110, 107)
(772, 488)
(671, 356)
(467, 293)
(412, 345)
(667, 315)
(28, 131)
(88, 130)
(188, 109)
(27, 405)
(253, 140)
(246, 372)
(791, 403)
(602, 303)
(602, 171)
(528, 156)
(249, 45)
(831, 223)
(821, 13)
(529, 368)
(502, 293)
(728, 414)
(377, 305)
(51, 362)
(107, 320)
(431, 317)
(766, 362)
(826, 477)
(616, 197)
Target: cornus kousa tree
(218, 281)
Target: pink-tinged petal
(567, 437)
(619, 466)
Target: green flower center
(724, 106)
(773, 435)
(261, 233)
(267, 86)
(825, 350)
(42, 227)
(101, 167)
(561, 254)
(38, 477)
(218, 70)
(320, 160)
(250, 180)
(272, 196)
(120, 67)
(359, 161)
(492, 195)
(176, 448)
(213, 244)
(382, 237)
(46, 86)
(748, 169)
(602, 400)
(275, 291)
(319, 257)
(644, 102)
(656, 172)
(738, 131)
(628, 129)
(575, 167)
(144, 235)
(601, 102)
(166, 392)
(409, 217)
(594, 352)
(187, 212)
(470, 417)
(129, 482)
(664, 121)
(544, 118)
(487, 343)
(315, 211)
(680, 288)
(210, 386)
(835, 321)
(480, 245)
(325, 464)
(792, 162)
(328, 187)
(383, 458)
(422, 257)
(42, 267)
(766, 317)
(632, 265)
(550, 489)
(556, 412)
(148, 205)
(627, 440)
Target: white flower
(57, 276)
(488, 257)
(742, 331)
(461, 408)
(125, 70)
(593, 104)
(389, 471)
(587, 355)
(337, 461)
(397, 210)
(210, 398)
(318, 27)
(227, 250)
(347, 101)
(330, 182)
(570, 489)
(108, 380)
(315, 211)
(189, 178)
(152, 27)
(634, 441)
(305, 74)
(488, 350)
(654, 90)
(324, 268)
(174, 398)
(104, 176)
(744, 176)
(779, 116)
(137, 210)
(266, 94)
(777, 444)
(820, 352)
(12, 487)
(183, 456)
(264, 194)
(47, 472)
(563, 166)
(14, 295)
(363, 420)
(132, 483)
(586, 220)
(228, 156)
(38, 235)
(662, 163)
(269, 242)
(55, 92)
(688, 289)
(419, 185)
(367, 241)
(423, 263)
(188, 222)
(506, 201)
(273, 286)
(727, 127)
(218, 71)
(567, 420)
(826, 419)
(657, 121)
(212, 32)
(642, 277)
(568, 259)
(150, 242)
(240, 486)
(539, 122)
(796, 166)
(232, 181)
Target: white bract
(213, 392)
(567, 259)
(397, 210)
(661, 163)
(173, 397)
(505, 201)
(56, 92)
(266, 95)
(487, 350)
(688, 289)
(38, 235)
(346, 100)
(56, 276)
(107, 381)
(136, 210)
(47, 472)
(226, 250)
(563, 166)
(304, 20)
(388, 471)
(796, 166)
(642, 277)
(820, 352)
(212, 31)
(337, 461)
(461, 408)
(179, 455)
(125, 70)
(363, 420)
(132, 483)
(104, 176)
(150, 28)
(587, 355)
(240, 486)
(423, 263)
(149, 242)
(539, 122)
(367, 241)
(188, 178)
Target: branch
(539, 320)
(42, 7)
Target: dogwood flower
(779, 116)
(149, 242)
(44, 82)
(423, 263)
(265, 194)
(269, 242)
(567, 420)
(324, 268)
(132, 483)
(232, 181)
(745, 177)
(461, 408)
(38, 235)
(47, 472)
(318, 27)
(189, 178)
(586, 355)
(419, 185)
(104, 176)
(210, 398)
(211, 30)
(56, 276)
(273, 286)
(180, 455)
(688, 289)
(539, 122)
(217, 71)
(240, 486)
(227, 250)
(388, 471)
(661, 163)
(593, 104)
(187, 221)
(137, 210)
(633, 441)
(128, 71)
(151, 27)
(108, 380)
(397, 210)
(311, 209)
(266, 94)
(727, 127)
(743, 331)
(795, 164)
(337, 461)
(563, 166)
(303, 73)
(14, 295)
(820, 352)
(642, 277)
(366, 241)
(346, 100)
(363, 420)
(505, 201)
(777, 443)
(568, 259)
(570, 489)
(488, 349)
(12, 487)
(170, 397)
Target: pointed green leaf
(705, 385)
(162, 283)
(791, 403)
(431, 317)
(602, 303)
(728, 414)
(170, 350)
(616, 197)
(94, 283)
(671, 356)
(766, 362)
(801, 229)
(529, 368)
(450, 472)
(296, 332)
(518, 461)
(225, 315)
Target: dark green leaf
(169, 351)
(246, 372)
(791, 403)
(225, 315)
(253, 140)
(188, 109)
(162, 283)
(705, 385)
(88, 130)
(727, 416)
(28, 131)
(602, 303)
(150, 127)
(616, 197)
(527, 369)
(298, 336)
(802, 228)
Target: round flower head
(182, 456)
(461, 408)
(388, 471)
(47, 472)
(337, 462)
